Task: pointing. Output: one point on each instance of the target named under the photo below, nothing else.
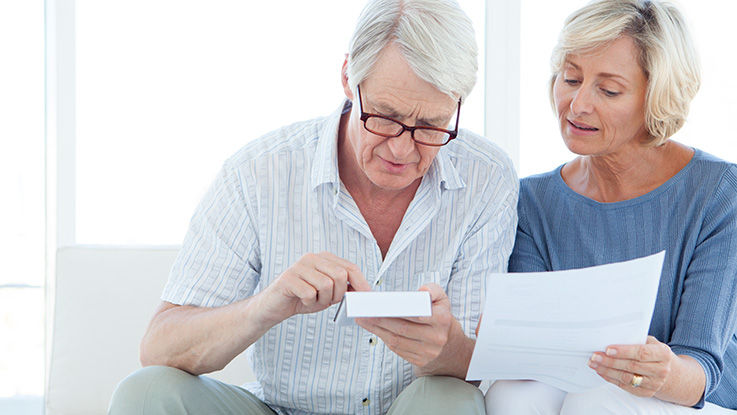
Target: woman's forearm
(686, 382)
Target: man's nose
(402, 146)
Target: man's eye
(384, 121)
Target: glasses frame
(366, 115)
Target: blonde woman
(624, 73)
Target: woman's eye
(571, 81)
(609, 93)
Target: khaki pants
(165, 390)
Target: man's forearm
(201, 340)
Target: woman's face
(600, 100)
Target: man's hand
(435, 345)
(312, 284)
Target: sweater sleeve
(526, 255)
(707, 316)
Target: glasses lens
(430, 136)
(383, 126)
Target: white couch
(104, 298)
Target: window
(22, 209)
(164, 97)
(709, 125)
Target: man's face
(393, 90)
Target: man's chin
(392, 182)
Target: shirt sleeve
(526, 256)
(485, 248)
(219, 260)
(707, 316)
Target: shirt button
(335, 190)
(365, 401)
(373, 341)
(378, 282)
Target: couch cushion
(104, 298)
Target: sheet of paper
(383, 304)
(545, 326)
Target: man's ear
(344, 79)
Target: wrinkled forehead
(402, 103)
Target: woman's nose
(582, 101)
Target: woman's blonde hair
(667, 56)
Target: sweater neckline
(629, 202)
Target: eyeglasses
(389, 127)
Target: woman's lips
(581, 126)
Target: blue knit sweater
(692, 216)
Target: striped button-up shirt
(281, 197)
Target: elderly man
(385, 194)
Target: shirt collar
(449, 178)
(442, 172)
(325, 164)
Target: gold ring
(636, 381)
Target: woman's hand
(641, 369)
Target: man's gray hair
(434, 36)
